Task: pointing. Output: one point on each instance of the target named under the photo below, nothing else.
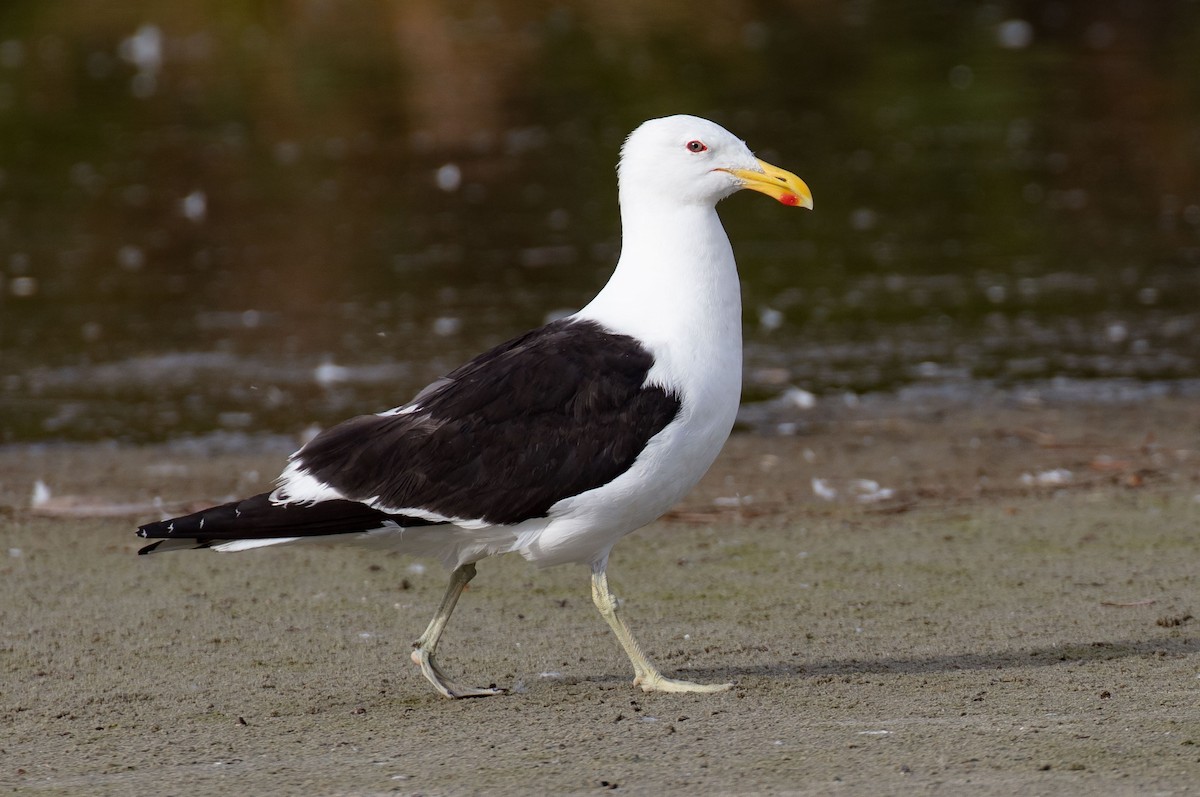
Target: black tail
(260, 518)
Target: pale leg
(645, 674)
(425, 647)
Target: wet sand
(1015, 617)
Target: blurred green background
(246, 217)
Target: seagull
(558, 443)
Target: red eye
(696, 146)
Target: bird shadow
(1053, 655)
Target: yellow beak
(775, 182)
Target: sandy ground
(973, 632)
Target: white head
(689, 160)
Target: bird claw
(448, 688)
(655, 682)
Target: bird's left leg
(645, 674)
(425, 647)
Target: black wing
(260, 518)
(558, 411)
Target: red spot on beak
(789, 199)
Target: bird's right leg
(425, 647)
(645, 674)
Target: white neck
(676, 283)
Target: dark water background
(255, 216)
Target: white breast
(684, 304)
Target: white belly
(584, 528)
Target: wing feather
(553, 413)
